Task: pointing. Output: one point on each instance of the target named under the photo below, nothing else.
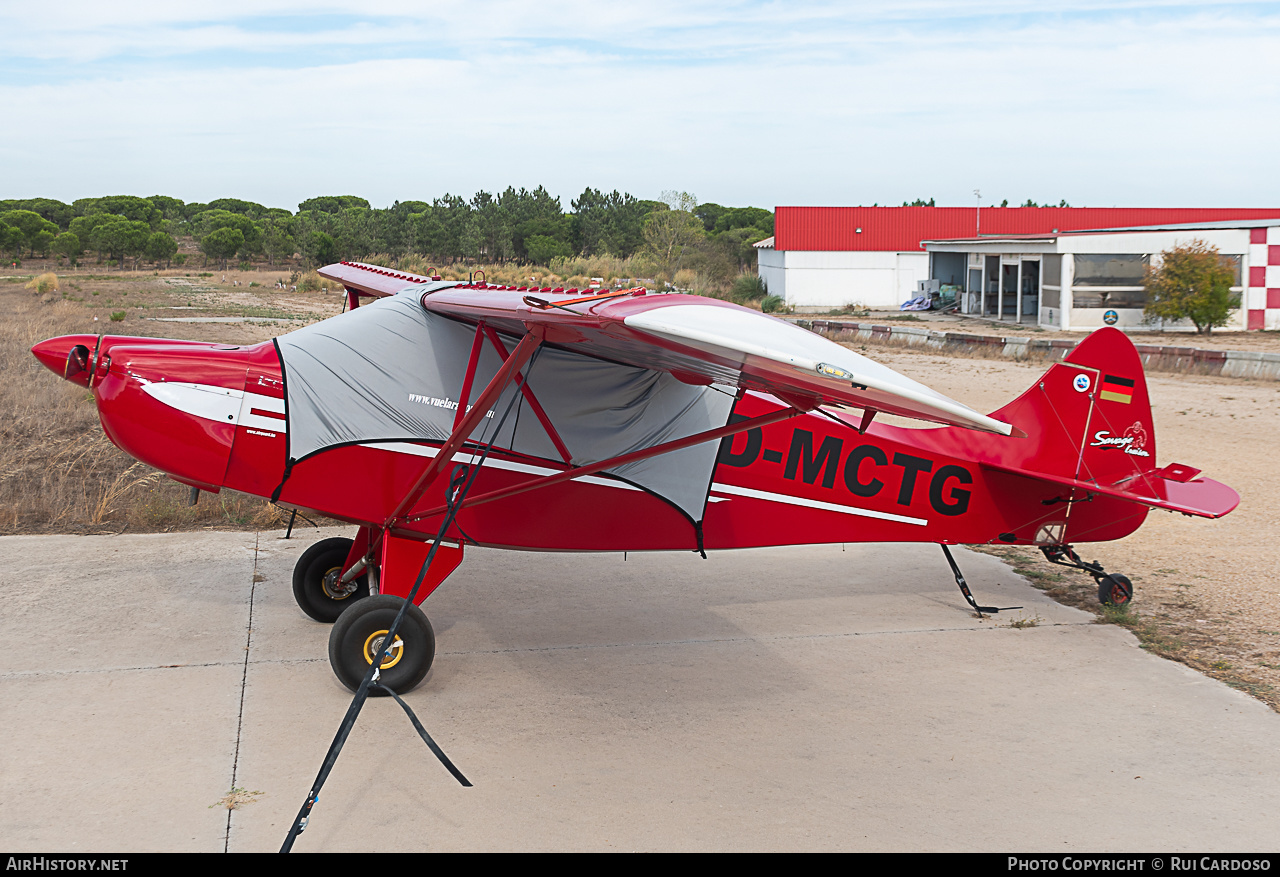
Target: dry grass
(47, 282)
(1159, 632)
(313, 282)
(58, 472)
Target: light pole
(978, 194)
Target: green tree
(276, 240)
(67, 244)
(10, 239)
(732, 218)
(612, 223)
(333, 203)
(31, 225)
(1192, 283)
(252, 209)
(55, 211)
(541, 249)
(492, 225)
(214, 219)
(85, 228)
(222, 243)
(117, 237)
(161, 247)
(44, 240)
(669, 234)
(171, 208)
(129, 206)
(319, 248)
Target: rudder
(1088, 417)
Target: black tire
(315, 585)
(1115, 590)
(356, 637)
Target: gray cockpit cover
(391, 371)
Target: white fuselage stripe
(218, 404)
(814, 504)
(509, 465)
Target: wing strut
(531, 399)
(465, 396)
(521, 355)
(644, 454)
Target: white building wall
(771, 266)
(1228, 241)
(912, 268)
(827, 280)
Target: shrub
(311, 282)
(1192, 283)
(117, 316)
(748, 287)
(47, 282)
(772, 304)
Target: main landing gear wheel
(357, 639)
(1115, 590)
(316, 584)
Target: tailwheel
(317, 585)
(358, 638)
(1115, 590)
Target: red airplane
(441, 414)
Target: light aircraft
(436, 414)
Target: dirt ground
(233, 306)
(1206, 592)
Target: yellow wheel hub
(374, 644)
(334, 589)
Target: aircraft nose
(68, 356)
(172, 405)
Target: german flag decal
(1116, 389)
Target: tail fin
(1089, 428)
(1089, 416)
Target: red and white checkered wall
(1262, 295)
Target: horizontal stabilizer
(1173, 488)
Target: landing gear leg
(964, 588)
(1113, 588)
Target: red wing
(370, 280)
(703, 341)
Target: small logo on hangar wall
(1081, 383)
(1110, 318)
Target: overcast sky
(742, 103)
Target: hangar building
(1061, 267)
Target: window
(1109, 280)
(1051, 281)
(1110, 269)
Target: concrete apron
(782, 699)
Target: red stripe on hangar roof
(901, 229)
